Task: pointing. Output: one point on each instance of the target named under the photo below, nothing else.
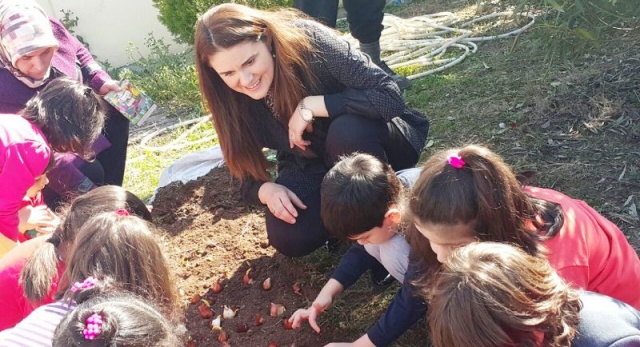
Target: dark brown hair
(42, 266)
(128, 321)
(484, 191)
(493, 295)
(356, 194)
(124, 248)
(225, 26)
(69, 114)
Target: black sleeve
(352, 265)
(403, 312)
(368, 91)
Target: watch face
(307, 115)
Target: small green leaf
(556, 6)
(586, 34)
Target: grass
(575, 124)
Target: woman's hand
(108, 87)
(282, 202)
(311, 314)
(297, 127)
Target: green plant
(70, 22)
(179, 16)
(573, 26)
(169, 79)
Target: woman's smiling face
(247, 68)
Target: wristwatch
(305, 113)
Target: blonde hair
(493, 294)
(124, 248)
(42, 266)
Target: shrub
(179, 16)
(169, 79)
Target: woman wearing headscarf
(35, 49)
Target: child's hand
(40, 218)
(311, 314)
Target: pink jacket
(24, 155)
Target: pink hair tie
(90, 282)
(93, 327)
(122, 212)
(456, 161)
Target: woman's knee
(294, 240)
(350, 133)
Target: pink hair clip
(93, 327)
(122, 212)
(90, 282)
(456, 161)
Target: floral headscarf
(24, 28)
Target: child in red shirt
(470, 194)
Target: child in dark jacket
(370, 193)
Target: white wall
(109, 25)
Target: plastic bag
(190, 167)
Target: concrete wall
(109, 25)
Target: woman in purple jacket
(34, 50)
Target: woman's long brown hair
(225, 26)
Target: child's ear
(393, 215)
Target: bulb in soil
(247, 280)
(242, 328)
(228, 312)
(215, 324)
(259, 319)
(222, 336)
(195, 298)
(205, 311)
(287, 325)
(266, 285)
(276, 310)
(296, 288)
(272, 344)
(217, 287)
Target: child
(35, 217)
(493, 295)
(64, 117)
(469, 194)
(112, 245)
(124, 320)
(361, 200)
(42, 260)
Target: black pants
(113, 159)
(346, 134)
(364, 16)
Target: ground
(576, 125)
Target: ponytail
(40, 270)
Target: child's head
(42, 180)
(360, 199)
(123, 319)
(42, 266)
(69, 114)
(467, 194)
(493, 294)
(125, 248)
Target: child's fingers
(313, 321)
